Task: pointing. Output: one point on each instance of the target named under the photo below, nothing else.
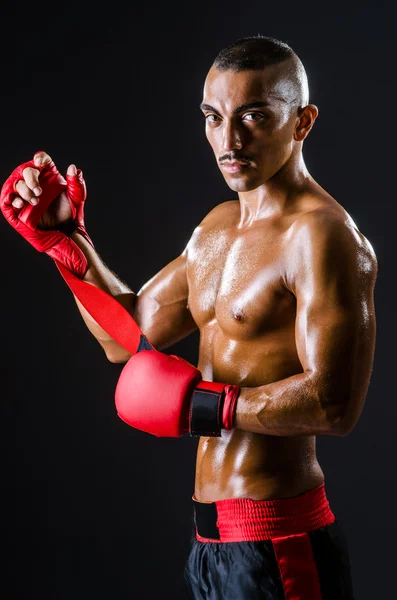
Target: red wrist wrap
(229, 405)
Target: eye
(212, 118)
(254, 116)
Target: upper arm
(161, 308)
(162, 303)
(332, 272)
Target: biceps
(161, 307)
(336, 343)
(322, 334)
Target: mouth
(234, 166)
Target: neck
(275, 195)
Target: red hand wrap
(68, 257)
(25, 221)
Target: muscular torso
(246, 318)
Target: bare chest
(237, 280)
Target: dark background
(90, 507)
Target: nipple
(237, 315)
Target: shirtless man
(280, 284)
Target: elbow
(118, 357)
(340, 420)
(346, 425)
(340, 428)
(114, 352)
(338, 408)
(116, 360)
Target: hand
(26, 200)
(165, 395)
(29, 191)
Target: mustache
(234, 156)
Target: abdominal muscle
(242, 464)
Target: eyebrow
(239, 109)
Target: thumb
(72, 170)
(41, 159)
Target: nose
(231, 138)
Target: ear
(306, 117)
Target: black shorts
(298, 565)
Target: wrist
(78, 234)
(77, 237)
(86, 249)
(248, 399)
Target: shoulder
(216, 223)
(324, 221)
(330, 228)
(218, 219)
(225, 210)
(328, 239)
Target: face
(250, 121)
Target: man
(280, 284)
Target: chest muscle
(236, 280)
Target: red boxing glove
(57, 244)
(165, 395)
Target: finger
(31, 177)
(41, 159)
(17, 202)
(76, 185)
(25, 192)
(72, 170)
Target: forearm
(297, 405)
(99, 275)
(159, 308)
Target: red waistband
(243, 519)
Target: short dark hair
(252, 53)
(257, 52)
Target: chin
(242, 184)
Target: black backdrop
(90, 507)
